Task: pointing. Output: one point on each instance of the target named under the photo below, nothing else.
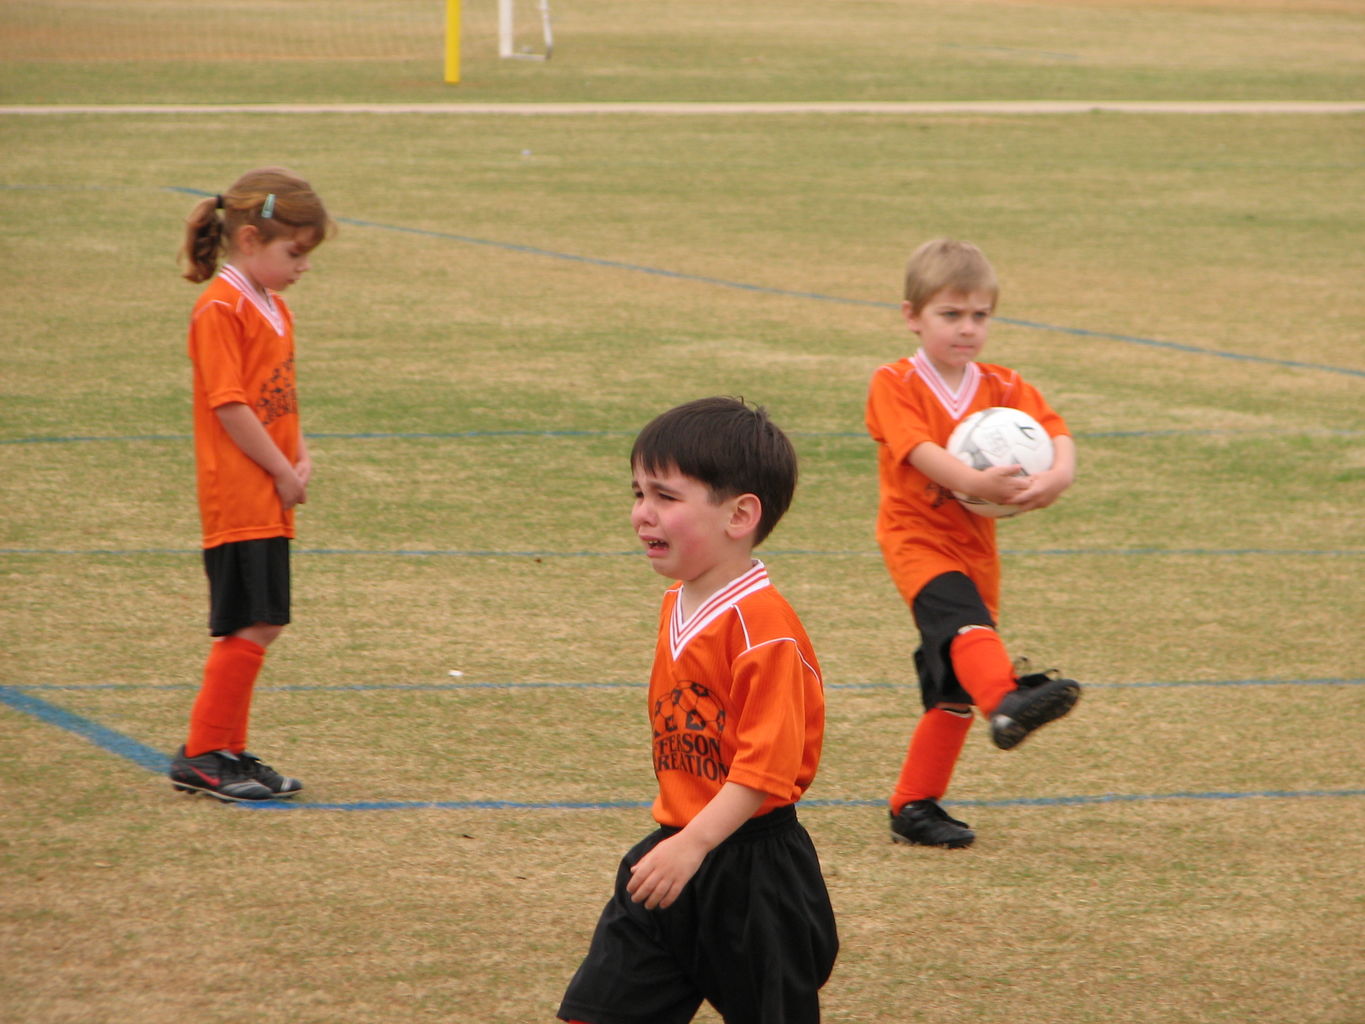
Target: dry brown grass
(330, 50)
(1184, 849)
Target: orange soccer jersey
(735, 695)
(922, 530)
(243, 351)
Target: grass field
(168, 51)
(508, 300)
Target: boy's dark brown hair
(730, 446)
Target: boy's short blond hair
(947, 263)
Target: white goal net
(221, 30)
(524, 30)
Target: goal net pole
(506, 35)
(506, 27)
(452, 41)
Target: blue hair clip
(268, 210)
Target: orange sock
(929, 763)
(237, 741)
(219, 716)
(983, 667)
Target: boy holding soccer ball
(725, 901)
(942, 557)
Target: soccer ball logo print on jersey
(689, 707)
(688, 723)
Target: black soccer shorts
(248, 583)
(753, 933)
(945, 604)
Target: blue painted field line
(812, 802)
(631, 685)
(771, 552)
(449, 435)
(455, 435)
(101, 736)
(158, 763)
(531, 250)
(1106, 798)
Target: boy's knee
(262, 633)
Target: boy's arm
(662, 873)
(248, 434)
(997, 484)
(1044, 488)
(304, 466)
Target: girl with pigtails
(251, 460)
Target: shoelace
(254, 767)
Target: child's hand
(1046, 487)
(659, 877)
(1001, 485)
(1042, 490)
(247, 433)
(291, 487)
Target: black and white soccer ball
(1000, 436)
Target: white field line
(1020, 107)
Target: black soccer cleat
(1041, 697)
(219, 773)
(925, 823)
(279, 785)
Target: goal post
(507, 34)
(507, 31)
(452, 41)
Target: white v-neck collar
(956, 402)
(263, 301)
(681, 632)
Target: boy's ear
(911, 317)
(748, 511)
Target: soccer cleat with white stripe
(1042, 697)
(279, 785)
(219, 773)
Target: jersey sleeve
(1029, 399)
(894, 418)
(215, 348)
(774, 684)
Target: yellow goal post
(452, 41)
(509, 45)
